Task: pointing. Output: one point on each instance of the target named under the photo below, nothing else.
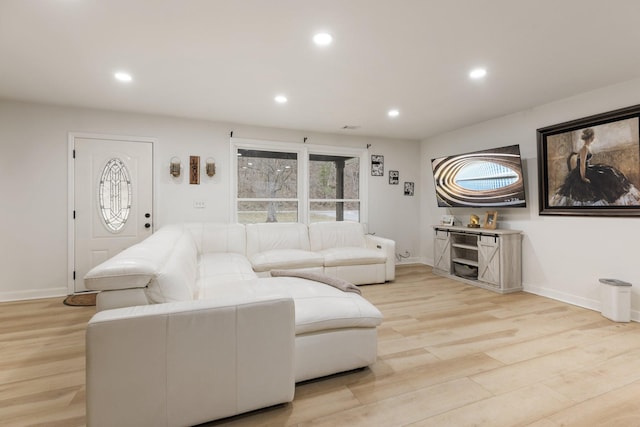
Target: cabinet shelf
(465, 261)
(465, 246)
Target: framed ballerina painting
(591, 166)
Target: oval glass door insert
(114, 195)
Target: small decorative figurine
(474, 221)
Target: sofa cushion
(281, 235)
(218, 237)
(215, 268)
(176, 280)
(285, 258)
(224, 264)
(324, 235)
(318, 307)
(352, 256)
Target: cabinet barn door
(489, 259)
(442, 252)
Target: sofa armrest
(189, 362)
(388, 246)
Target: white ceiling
(225, 60)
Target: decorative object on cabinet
(194, 169)
(394, 177)
(474, 221)
(174, 167)
(591, 166)
(210, 167)
(446, 220)
(408, 188)
(490, 220)
(377, 165)
(490, 259)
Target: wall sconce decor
(174, 167)
(210, 167)
(194, 169)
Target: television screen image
(487, 178)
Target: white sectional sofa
(180, 262)
(154, 289)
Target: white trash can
(616, 300)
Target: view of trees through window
(268, 187)
(334, 188)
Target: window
(296, 182)
(267, 186)
(334, 184)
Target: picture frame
(591, 166)
(490, 220)
(194, 170)
(409, 188)
(446, 220)
(377, 165)
(394, 177)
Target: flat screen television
(487, 179)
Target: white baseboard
(562, 296)
(553, 294)
(33, 294)
(587, 303)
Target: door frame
(71, 229)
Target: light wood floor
(449, 355)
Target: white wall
(33, 183)
(563, 257)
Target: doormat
(81, 300)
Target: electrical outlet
(199, 204)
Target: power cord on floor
(400, 257)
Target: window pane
(333, 177)
(334, 211)
(254, 212)
(267, 174)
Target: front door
(112, 199)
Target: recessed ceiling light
(123, 77)
(393, 113)
(478, 73)
(281, 99)
(322, 39)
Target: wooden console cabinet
(490, 259)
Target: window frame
(303, 152)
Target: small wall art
(377, 165)
(394, 177)
(194, 169)
(408, 188)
